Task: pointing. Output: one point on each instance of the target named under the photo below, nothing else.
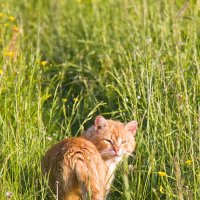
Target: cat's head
(113, 139)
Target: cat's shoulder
(73, 143)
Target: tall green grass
(123, 59)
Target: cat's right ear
(100, 123)
(132, 127)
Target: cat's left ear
(132, 127)
(100, 123)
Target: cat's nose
(116, 149)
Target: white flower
(49, 138)
(8, 194)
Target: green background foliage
(130, 59)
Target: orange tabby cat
(83, 169)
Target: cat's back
(69, 151)
(79, 148)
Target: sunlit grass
(63, 62)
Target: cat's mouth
(111, 154)
(118, 154)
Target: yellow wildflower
(162, 174)
(161, 189)
(9, 54)
(12, 19)
(64, 100)
(76, 99)
(1, 72)
(1, 15)
(188, 162)
(15, 28)
(43, 63)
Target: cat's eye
(110, 141)
(124, 141)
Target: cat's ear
(100, 123)
(132, 127)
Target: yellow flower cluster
(161, 190)
(8, 20)
(188, 162)
(9, 54)
(11, 18)
(76, 100)
(43, 63)
(64, 100)
(162, 174)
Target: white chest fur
(111, 167)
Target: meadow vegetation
(63, 62)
